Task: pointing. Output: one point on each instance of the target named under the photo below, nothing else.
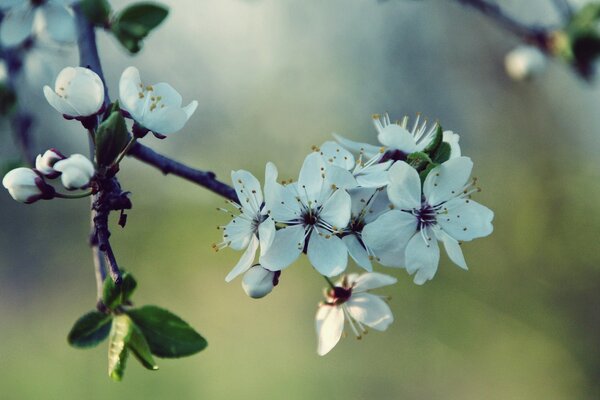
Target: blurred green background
(274, 77)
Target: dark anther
(395, 155)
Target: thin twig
(167, 165)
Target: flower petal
(367, 149)
(310, 181)
(285, 249)
(58, 103)
(422, 257)
(167, 93)
(465, 219)
(452, 139)
(452, 248)
(190, 108)
(334, 154)
(239, 232)
(404, 189)
(248, 191)
(336, 210)
(374, 176)
(447, 180)
(266, 234)
(337, 177)
(397, 138)
(58, 22)
(388, 235)
(129, 91)
(327, 253)
(245, 261)
(16, 25)
(357, 252)
(329, 325)
(370, 310)
(165, 120)
(372, 280)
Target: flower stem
(329, 282)
(73, 196)
(125, 150)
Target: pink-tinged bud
(45, 163)
(27, 186)
(76, 171)
(259, 282)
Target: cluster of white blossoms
(388, 204)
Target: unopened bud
(78, 92)
(524, 62)
(45, 163)
(259, 282)
(27, 186)
(77, 171)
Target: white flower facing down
(76, 171)
(259, 282)
(315, 209)
(45, 163)
(252, 227)
(155, 107)
(524, 62)
(398, 141)
(24, 18)
(442, 211)
(350, 301)
(26, 185)
(78, 92)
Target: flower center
(395, 155)
(426, 216)
(339, 295)
(309, 218)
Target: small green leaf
(442, 154)
(113, 295)
(89, 330)
(418, 160)
(96, 11)
(423, 174)
(8, 99)
(140, 348)
(167, 334)
(111, 138)
(135, 22)
(127, 287)
(120, 334)
(437, 140)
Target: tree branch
(167, 166)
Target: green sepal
(423, 174)
(168, 335)
(442, 154)
(418, 160)
(120, 334)
(111, 138)
(113, 295)
(96, 11)
(134, 23)
(89, 330)
(8, 99)
(140, 348)
(435, 143)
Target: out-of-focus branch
(167, 165)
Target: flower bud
(27, 186)
(259, 282)
(77, 171)
(524, 62)
(45, 163)
(78, 92)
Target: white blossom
(155, 107)
(76, 171)
(78, 92)
(45, 163)
(24, 18)
(350, 301)
(524, 62)
(26, 185)
(259, 282)
(252, 227)
(443, 211)
(315, 209)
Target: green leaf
(442, 154)
(437, 140)
(423, 174)
(167, 334)
(120, 334)
(135, 22)
(128, 286)
(96, 11)
(8, 99)
(89, 330)
(113, 295)
(140, 348)
(111, 138)
(418, 160)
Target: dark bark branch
(167, 166)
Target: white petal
(397, 138)
(422, 257)
(372, 280)
(129, 89)
(367, 149)
(338, 177)
(328, 255)
(258, 282)
(465, 219)
(248, 191)
(370, 310)
(374, 176)
(58, 103)
(388, 235)
(336, 210)
(169, 96)
(452, 248)
(245, 261)
(447, 180)
(452, 139)
(84, 90)
(239, 232)
(329, 325)
(335, 154)
(311, 178)
(165, 120)
(285, 249)
(280, 202)
(404, 190)
(58, 22)
(266, 233)
(16, 25)
(190, 108)
(357, 252)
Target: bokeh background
(274, 77)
